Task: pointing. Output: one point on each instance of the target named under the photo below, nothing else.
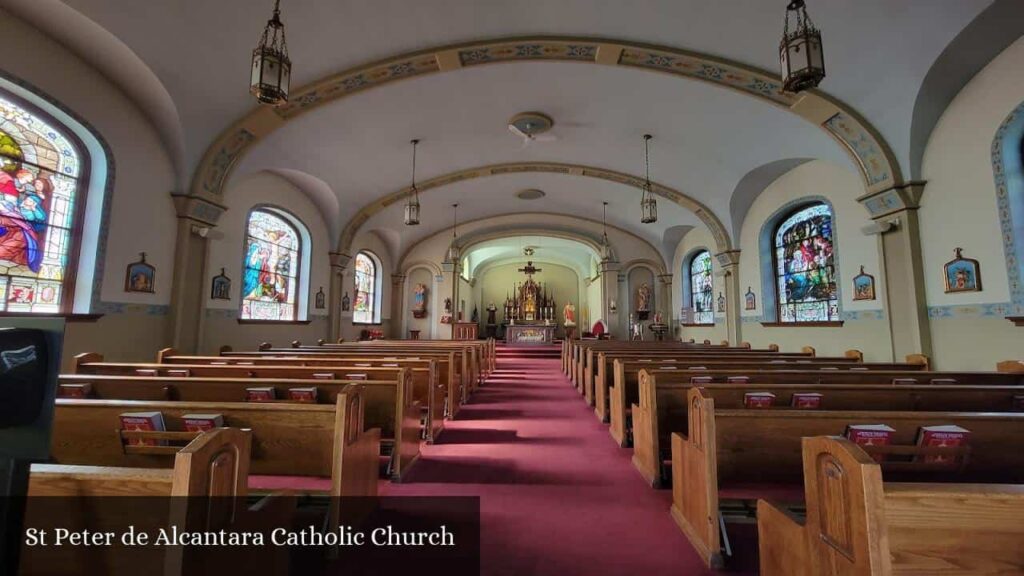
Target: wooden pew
(426, 390)
(446, 364)
(857, 524)
(751, 454)
(604, 367)
(214, 464)
(663, 408)
(625, 391)
(292, 440)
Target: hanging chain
(647, 165)
(415, 192)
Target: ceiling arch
(991, 32)
(750, 187)
(718, 230)
(869, 151)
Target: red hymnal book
(306, 394)
(1018, 403)
(701, 379)
(179, 373)
(738, 379)
(75, 390)
(806, 400)
(870, 435)
(758, 400)
(355, 376)
(145, 422)
(259, 394)
(323, 376)
(202, 422)
(146, 372)
(949, 436)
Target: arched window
(701, 295)
(43, 178)
(805, 267)
(367, 305)
(272, 267)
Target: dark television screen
(30, 352)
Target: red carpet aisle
(558, 497)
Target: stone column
(894, 212)
(729, 265)
(339, 262)
(663, 304)
(196, 217)
(398, 306)
(610, 291)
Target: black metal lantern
(412, 208)
(271, 68)
(648, 205)
(800, 53)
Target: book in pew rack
(303, 394)
(949, 436)
(259, 394)
(202, 422)
(806, 400)
(82, 390)
(143, 422)
(870, 435)
(758, 400)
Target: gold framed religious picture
(321, 299)
(721, 302)
(863, 286)
(220, 289)
(962, 274)
(751, 300)
(346, 303)
(140, 276)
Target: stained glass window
(271, 270)
(702, 289)
(805, 267)
(40, 172)
(365, 309)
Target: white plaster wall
(841, 187)
(959, 209)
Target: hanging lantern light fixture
(453, 251)
(648, 205)
(271, 68)
(800, 53)
(412, 208)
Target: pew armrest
(782, 542)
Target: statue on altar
(530, 301)
(569, 314)
(643, 301)
(492, 310)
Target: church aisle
(557, 495)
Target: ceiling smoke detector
(530, 194)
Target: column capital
(893, 200)
(339, 261)
(397, 279)
(197, 208)
(610, 266)
(728, 259)
(665, 279)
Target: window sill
(832, 324)
(367, 323)
(711, 325)
(277, 322)
(67, 317)
(1017, 320)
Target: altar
(529, 334)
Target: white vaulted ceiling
(707, 139)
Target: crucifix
(530, 269)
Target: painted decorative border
(869, 151)
(997, 310)
(1007, 161)
(844, 315)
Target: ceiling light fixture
(271, 69)
(648, 205)
(800, 53)
(412, 209)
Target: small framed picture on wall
(220, 288)
(863, 286)
(962, 274)
(140, 276)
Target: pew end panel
(618, 408)
(407, 428)
(165, 353)
(85, 358)
(782, 542)
(646, 452)
(216, 464)
(695, 481)
(1010, 366)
